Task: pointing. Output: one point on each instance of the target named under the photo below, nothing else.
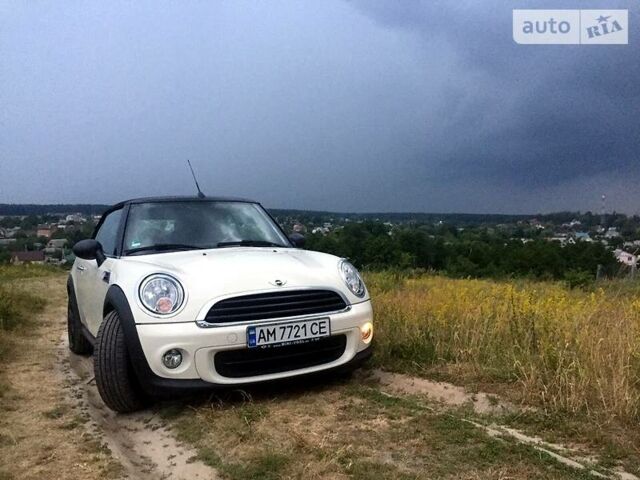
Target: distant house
(583, 237)
(45, 231)
(321, 230)
(57, 243)
(12, 232)
(74, 218)
(18, 258)
(55, 246)
(9, 232)
(534, 222)
(563, 239)
(572, 224)
(625, 257)
(612, 232)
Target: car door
(80, 267)
(93, 280)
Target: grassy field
(17, 303)
(42, 426)
(570, 354)
(348, 429)
(566, 350)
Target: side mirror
(89, 250)
(297, 239)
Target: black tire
(78, 343)
(115, 378)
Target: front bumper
(200, 345)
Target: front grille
(250, 362)
(282, 304)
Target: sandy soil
(443, 392)
(482, 403)
(139, 441)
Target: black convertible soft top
(183, 199)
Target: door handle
(81, 268)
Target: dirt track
(139, 442)
(55, 426)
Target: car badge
(278, 283)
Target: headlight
(352, 278)
(161, 294)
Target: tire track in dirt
(482, 403)
(139, 441)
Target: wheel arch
(149, 381)
(116, 300)
(108, 307)
(76, 345)
(71, 289)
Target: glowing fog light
(172, 358)
(367, 332)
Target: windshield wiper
(249, 243)
(163, 247)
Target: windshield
(166, 226)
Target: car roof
(191, 198)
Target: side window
(108, 233)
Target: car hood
(208, 275)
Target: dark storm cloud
(538, 116)
(371, 105)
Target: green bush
(578, 279)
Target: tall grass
(17, 304)
(563, 349)
(15, 272)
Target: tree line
(470, 253)
(48, 209)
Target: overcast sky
(327, 105)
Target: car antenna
(200, 194)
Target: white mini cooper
(184, 293)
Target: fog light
(367, 332)
(172, 358)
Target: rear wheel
(78, 343)
(116, 381)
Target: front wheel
(116, 381)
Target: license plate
(287, 332)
